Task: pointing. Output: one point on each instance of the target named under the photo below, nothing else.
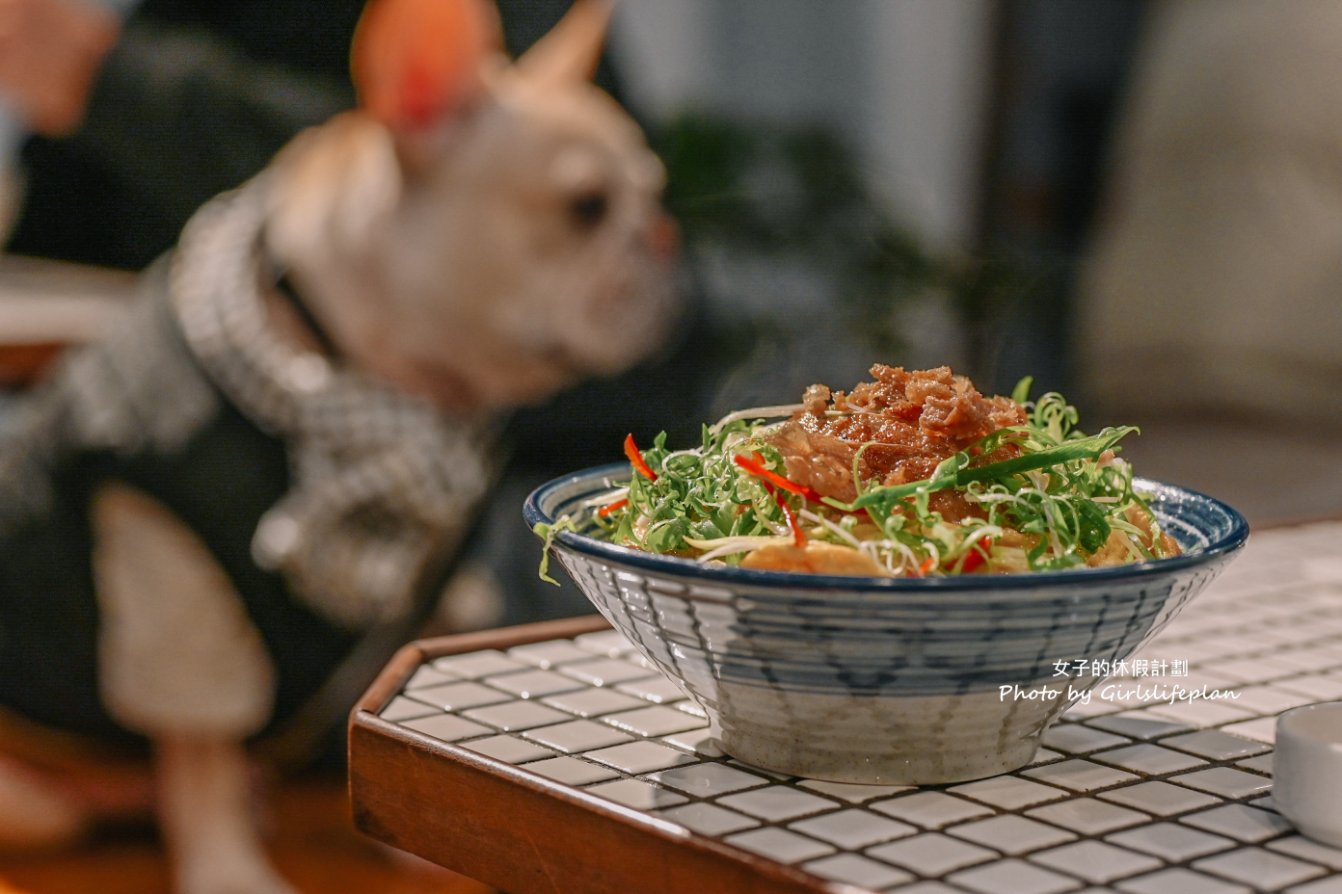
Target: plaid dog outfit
(320, 493)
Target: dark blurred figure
(191, 99)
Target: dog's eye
(589, 209)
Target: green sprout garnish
(1059, 498)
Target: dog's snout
(664, 238)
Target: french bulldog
(208, 516)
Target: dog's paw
(235, 876)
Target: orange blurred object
(415, 59)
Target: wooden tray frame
(520, 832)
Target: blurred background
(1135, 203)
(941, 159)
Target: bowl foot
(873, 764)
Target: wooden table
(550, 759)
(520, 831)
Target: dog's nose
(664, 238)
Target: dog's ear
(572, 49)
(416, 62)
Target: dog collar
(381, 479)
(284, 287)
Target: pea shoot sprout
(1036, 496)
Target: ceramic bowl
(886, 680)
(1307, 770)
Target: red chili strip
(798, 535)
(612, 507)
(977, 555)
(756, 467)
(921, 571)
(636, 459)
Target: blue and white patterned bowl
(885, 680)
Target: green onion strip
(1064, 491)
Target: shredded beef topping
(912, 420)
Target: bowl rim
(678, 566)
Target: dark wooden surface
(518, 831)
(308, 835)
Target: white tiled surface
(1012, 834)
(1171, 841)
(1141, 798)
